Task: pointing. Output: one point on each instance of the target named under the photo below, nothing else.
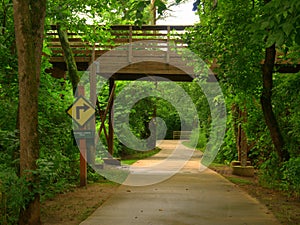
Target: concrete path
(189, 197)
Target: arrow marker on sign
(81, 111)
(78, 108)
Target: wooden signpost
(81, 112)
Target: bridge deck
(157, 62)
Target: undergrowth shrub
(281, 176)
(56, 174)
(228, 151)
(291, 176)
(13, 195)
(198, 138)
(270, 174)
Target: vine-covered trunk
(74, 77)
(29, 17)
(266, 102)
(68, 56)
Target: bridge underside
(152, 71)
(155, 70)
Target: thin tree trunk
(68, 56)
(266, 102)
(29, 17)
(153, 12)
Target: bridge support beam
(91, 125)
(110, 141)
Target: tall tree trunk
(68, 56)
(29, 17)
(266, 102)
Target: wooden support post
(130, 45)
(168, 45)
(154, 120)
(242, 144)
(110, 117)
(83, 164)
(82, 146)
(91, 125)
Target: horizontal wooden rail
(120, 35)
(184, 135)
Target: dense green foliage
(233, 32)
(58, 164)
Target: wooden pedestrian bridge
(148, 51)
(131, 52)
(141, 61)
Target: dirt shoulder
(73, 207)
(285, 208)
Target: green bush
(56, 174)
(291, 176)
(270, 173)
(228, 151)
(285, 176)
(198, 138)
(13, 195)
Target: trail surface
(189, 197)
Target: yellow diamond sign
(81, 111)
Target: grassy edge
(130, 159)
(187, 144)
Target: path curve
(189, 197)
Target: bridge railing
(85, 51)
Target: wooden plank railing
(85, 51)
(183, 135)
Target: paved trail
(189, 197)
